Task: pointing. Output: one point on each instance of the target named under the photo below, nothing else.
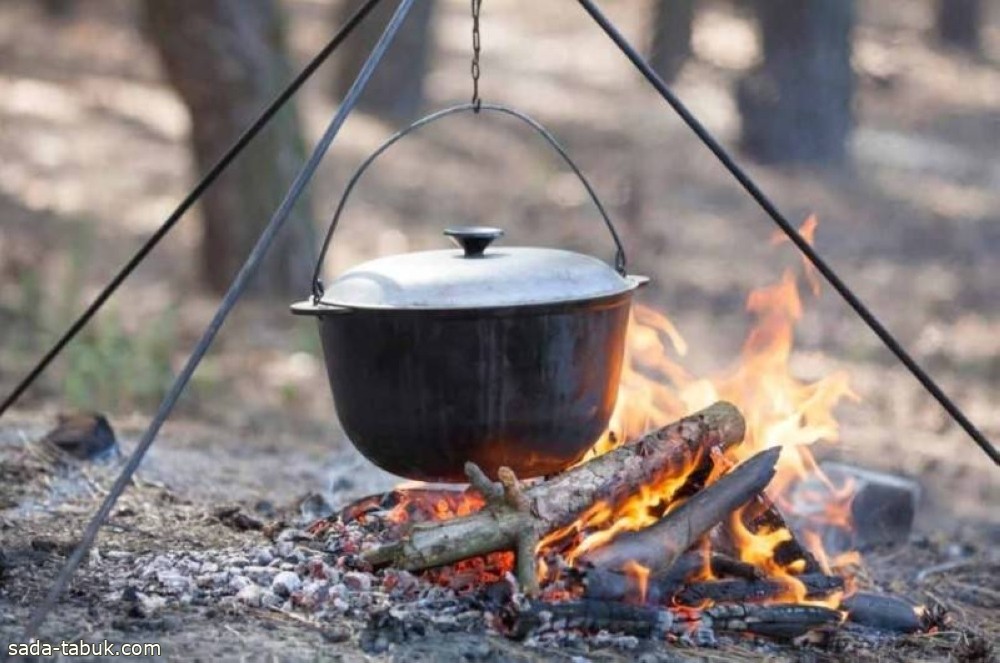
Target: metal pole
(741, 176)
(229, 300)
(209, 178)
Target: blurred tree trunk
(227, 60)
(59, 8)
(396, 90)
(958, 23)
(797, 105)
(670, 44)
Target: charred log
(887, 613)
(657, 547)
(778, 621)
(516, 516)
(781, 621)
(614, 586)
(591, 616)
(753, 591)
(763, 516)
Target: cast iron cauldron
(496, 355)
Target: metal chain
(476, 6)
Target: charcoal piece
(615, 586)
(750, 591)
(883, 612)
(234, 517)
(724, 565)
(496, 595)
(385, 628)
(763, 515)
(591, 616)
(778, 621)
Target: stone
(205, 581)
(357, 581)
(83, 436)
(250, 595)
(261, 574)
(158, 564)
(271, 599)
(883, 507)
(238, 582)
(174, 582)
(285, 583)
(140, 605)
(337, 633)
(262, 556)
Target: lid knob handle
(473, 239)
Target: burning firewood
(668, 588)
(761, 516)
(816, 586)
(657, 547)
(515, 516)
(780, 621)
(615, 586)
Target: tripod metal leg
(822, 267)
(228, 302)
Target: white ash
(323, 579)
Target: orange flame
(640, 576)
(780, 410)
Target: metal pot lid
(476, 276)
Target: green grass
(106, 367)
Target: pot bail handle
(620, 261)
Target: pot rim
(307, 307)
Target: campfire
(679, 521)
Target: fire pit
(711, 526)
(718, 556)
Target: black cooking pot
(500, 356)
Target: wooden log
(779, 621)
(886, 613)
(516, 516)
(753, 591)
(614, 586)
(590, 617)
(618, 473)
(657, 547)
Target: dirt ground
(94, 157)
